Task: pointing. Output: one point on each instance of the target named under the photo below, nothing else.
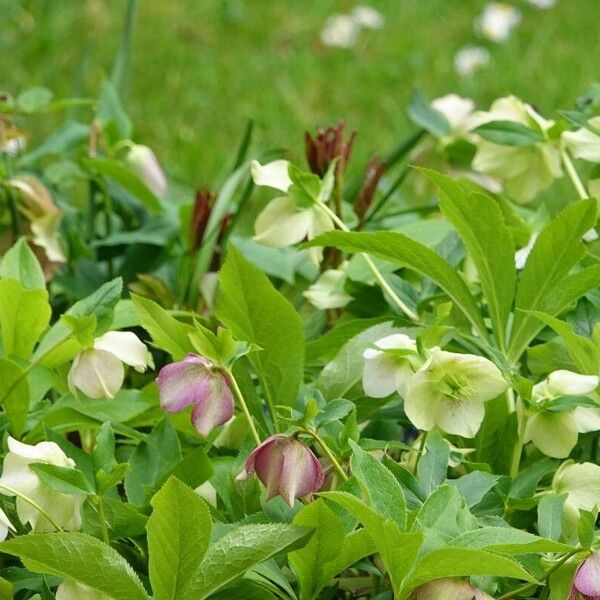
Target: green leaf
(405, 252)
(550, 515)
(80, 557)
(63, 479)
(34, 99)
(474, 486)
(20, 263)
(479, 222)
(381, 489)
(6, 589)
(258, 314)
(239, 550)
(104, 449)
(126, 178)
(167, 333)
(556, 251)
(508, 133)
(14, 391)
(525, 483)
(178, 536)
(24, 316)
(423, 114)
(433, 465)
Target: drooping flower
(497, 21)
(282, 223)
(525, 170)
(470, 59)
(64, 509)
(581, 483)
(389, 365)
(286, 467)
(449, 589)
(193, 381)
(555, 432)
(583, 142)
(586, 583)
(328, 290)
(98, 371)
(73, 590)
(368, 17)
(143, 162)
(340, 31)
(449, 391)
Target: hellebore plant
(586, 583)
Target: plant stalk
(242, 403)
(330, 455)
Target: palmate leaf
(406, 252)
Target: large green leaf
(478, 220)
(24, 316)
(257, 313)
(178, 536)
(406, 252)
(14, 392)
(238, 551)
(79, 557)
(556, 251)
(20, 263)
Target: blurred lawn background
(202, 68)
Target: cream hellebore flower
(389, 365)
(340, 31)
(497, 21)
(328, 290)
(73, 590)
(581, 483)
(542, 3)
(584, 143)
(449, 391)
(456, 109)
(525, 170)
(64, 509)
(470, 59)
(555, 432)
(282, 223)
(98, 371)
(143, 162)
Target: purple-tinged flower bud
(375, 170)
(193, 381)
(446, 589)
(326, 146)
(586, 583)
(286, 467)
(143, 162)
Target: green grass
(202, 68)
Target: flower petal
(301, 472)
(379, 376)
(280, 224)
(183, 383)
(555, 434)
(587, 578)
(274, 174)
(97, 373)
(214, 405)
(126, 346)
(568, 383)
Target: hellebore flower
(328, 145)
(456, 110)
(586, 583)
(328, 290)
(581, 483)
(497, 21)
(98, 371)
(470, 59)
(194, 381)
(389, 366)
(286, 467)
(449, 391)
(64, 509)
(554, 432)
(584, 143)
(525, 170)
(448, 589)
(143, 162)
(5, 525)
(340, 31)
(282, 223)
(73, 590)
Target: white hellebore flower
(584, 143)
(98, 371)
(389, 365)
(143, 162)
(73, 590)
(581, 483)
(340, 31)
(368, 17)
(525, 170)
(328, 290)
(5, 525)
(64, 509)
(449, 391)
(456, 109)
(282, 223)
(555, 432)
(497, 21)
(470, 59)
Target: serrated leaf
(63, 479)
(20, 263)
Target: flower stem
(242, 403)
(518, 449)
(531, 586)
(376, 272)
(573, 175)
(31, 502)
(102, 520)
(421, 450)
(329, 453)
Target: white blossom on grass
(470, 59)
(497, 21)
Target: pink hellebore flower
(286, 467)
(449, 589)
(193, 381)
(586, 583)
